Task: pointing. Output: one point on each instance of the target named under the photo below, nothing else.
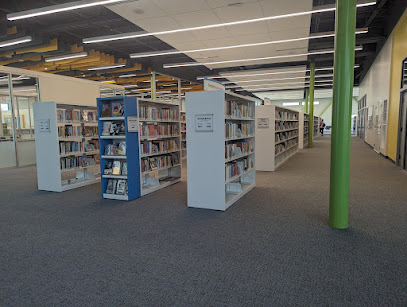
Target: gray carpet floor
(273, 247)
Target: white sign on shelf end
(204, 123)
(263, 123)
(132, 124)
(45, 125)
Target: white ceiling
(159, 15)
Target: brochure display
(66, 145)
(140, 141)
(220, 148)
(277, 136)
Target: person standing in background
(321, 126)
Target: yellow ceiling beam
(52, 46)
(12, 30)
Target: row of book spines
(283, 146)
(235, 109)
(67, 147)
(151, 147)
(238, 167)
(158, 113)
(286, 135)
(285, 125)
(282, 115)
(231, 150)
(75, 162)
(155, 163)
(233, 130)
(152, 130)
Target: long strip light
(66, 57)
(58, 8)
(106, 67)
(127, 76)
(277, 84)
(280, 88)
(253, 59)
(170, 52)
(280, 79)
(321, 9)
(15, 41)
(266, 73)
(268, 84)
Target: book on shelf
(113, 128)
(158, 130)
(89, 116)
(108, 168)
(237, 130)
(124, 168)
(106, 110)
(116, 167)
(155, 113)
(115, 149)
(237, 149)
(121, 187)
(111, 186)
(155, 147)
(238, 110)
(117, 109)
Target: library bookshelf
(183, 122)
(277, 136)
(220, 148)
(304, 120)
(66, 145)
(316, 127)
(143, 142)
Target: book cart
(140, 140)
(66, 145)
(277, 136)
(220, 148)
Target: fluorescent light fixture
(254, 59)
(141, 90)
(174, 51)
(15, 41)
(291, 104)
(66, 57)
(130, 86)
(108, 81)
(264, 74)
(280, 88)
(320, 9)
(272, 84)
(58, 8)
(170, 84)
(5, 79)
(127, 76)
(315, 103)
(186, 88)
(163, 92)
(106, 67)
(280, 79)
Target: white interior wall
(376, 87)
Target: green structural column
(344, 59)
(306, 101)
(311, 104)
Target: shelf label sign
(44, 125)
(204, 123)
(132, 124)
(212, 85)
(263, 123)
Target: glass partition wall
(17, 95)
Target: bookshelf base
(79, 184)
(116, 197)
(286, 159)
(145, 191)
(232, 198)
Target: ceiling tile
(181, 6)
(241, 12)
(221, 3)
(279, 7)
(195, 19)
(134, 11)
